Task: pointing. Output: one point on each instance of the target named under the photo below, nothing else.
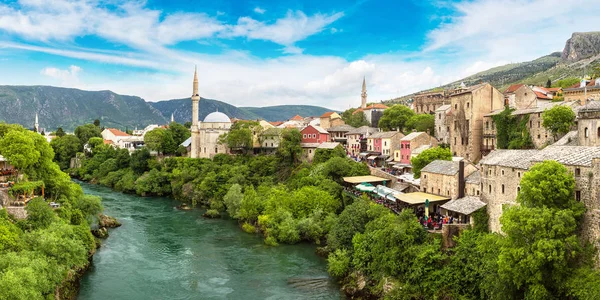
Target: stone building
(269, 140)
(588, 124)
(214, 126)
(330, 119)
(411, 142)
(540, 136)
(338, 133)
(502, 170)
(429, 102)
(357, 139)
(468, 106)
(473, 184)
(446, 178)
(442, 129)
(309, 149)
(522, 96)
(385, 142)
(585, 90)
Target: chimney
(461, 179)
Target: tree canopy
(87, 131)
(421, 123)
(558, 120)
(395, 117)
(19, 148)
(65, 148)
(160, 140)
(354, 119)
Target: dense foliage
(511, 130)
(396, 117)
(421, 123)
(354, 119)
(39, 253)
(427, 156)
(558, 120)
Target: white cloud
(69, 76)
(259, 10)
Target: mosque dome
(217, 117)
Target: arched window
(490, 188)
(586, 132)
(518, 189)
(598, 132)
(503, 189)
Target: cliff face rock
(581, 45)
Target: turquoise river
(164, 253)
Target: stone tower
(36, 125)
(363, 95)
(194, 129)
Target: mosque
(205, 135)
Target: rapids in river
(164, 253)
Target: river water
(163, 253)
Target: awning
(372, 157)
(466, 205)
(390, 159)
(383, 156)
(365, 187)
(386, 192)
(364, 154)
(401, 166)
(363, 179)
(419, 198)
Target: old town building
(588, 124)
(411, 142)
(330, 119)
(269, 140)
(314, 134)
(468, 107)
(338, 133)
(585, 90)
(357, 139)
(384, 142)
(446, 178)
(429, 102)
(442, 129)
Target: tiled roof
(411, 136)
(363, 130)
(469, 89)
(568, 155)
(276, 123)
(554, 90)
(519, 159)
(376, 105)
(117, 132)
(569, 139)
(309, 145)
(541, 108)
(107, 142)
(444, 107)
(475, 177)
(328, 145)
(327, 114)
(541, 95)
(513, 88)
(272, 132)
(320, 129)
(590, 106)
(341, 128)
(444, 167)
(297, 118)
(384, 135)
(466, 205)
(420, 149)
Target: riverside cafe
(424, 204)
(375, 187)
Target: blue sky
(258, 53)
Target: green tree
(289, 148)
(323, 155)
(139, 160)
(160, 140)
(240, 136)
(39, 213)
(421, 123)
(65, 148)
(548, 184)
(558, 120)
(179, 132)
(97, 123)
(19, 149)
(60, 132)
(233, 200)
(395, 117)
(354, 119)
(567, 82)
(87, 131)
(427, 156)
(549, 83)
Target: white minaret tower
(194, 129)
(172, 117)
(363, 95)
(36, 125)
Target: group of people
(7, 172)
(436, 220)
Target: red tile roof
(357, 110)
(513, 88)
(297, 118)
(117, 132)
(107, 142)
(554, 90)
(540, 95)
(276, 123)
(327, 114)
(377, 105)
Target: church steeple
(363, 95)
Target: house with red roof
(314, 134)
(372, 113)
(121, 140)
(522, 96)
(330, 119)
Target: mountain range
(69, 108)
(580, 55)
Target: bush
(271, 241)
(338, 263)
(247, 227)
(212, 213)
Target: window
(477, 193)
(538, 124)
(490, 188)
(425, 190)
(578, 195)
(503, 189)
(539, 136)
(440, 129)
(439, 116)
(425, 176)
(432, 190)
(216, 150)
(271, 144)
(577, 172)
(385, 143)
(455, 106)
(598, 134)
(518, 189)
(487, 124)
(448, 192)
(304, 135)
(586, 133)
(204, 149)
(439, 191)
(519, 174)
(455, 125)
(454, 140)
(530, 124)
(502, 172)
(309, 150)
(468, 104)
(473, 191)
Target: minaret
(172, 117)
(36, 125)
(194, 129)
(363, 95)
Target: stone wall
(439, 184)
(427, 103)
(449, 231)
(591, 121)
(442, 127)
(495, 180)
(18, 212)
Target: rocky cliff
(581, 45)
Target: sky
(274, 52)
